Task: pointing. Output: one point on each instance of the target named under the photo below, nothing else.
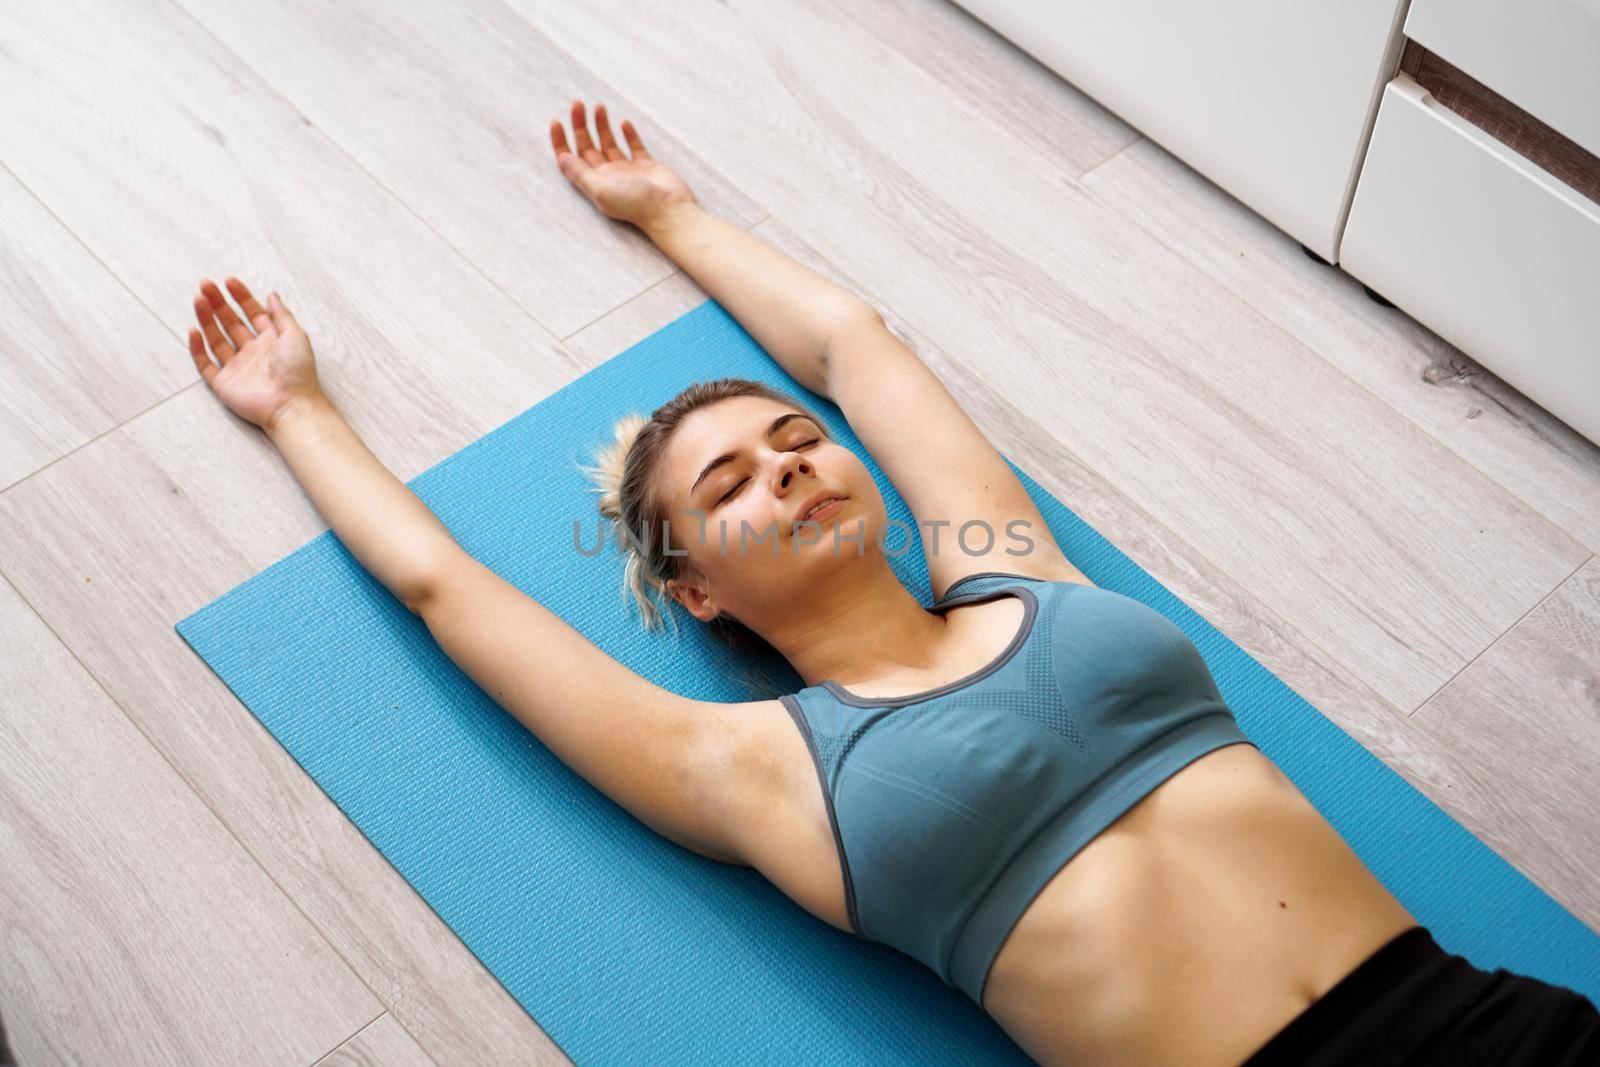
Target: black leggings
(1413, 1003)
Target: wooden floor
(1400, 536)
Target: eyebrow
(728, 457)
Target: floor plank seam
(1108, 159)
(110, 430)
(1487, 648)
(114, 276)
(369, 1024)
(1410, 421)
(362, 169)
(84, 245)
(676, 273)
(619, 307)
(320, 932)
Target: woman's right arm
(683, 767)
(265, 373)
(376, 517)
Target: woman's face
(738, 477)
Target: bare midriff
(1192, 929)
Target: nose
(791, 467)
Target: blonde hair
(623, 476)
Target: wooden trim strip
(1498, 117)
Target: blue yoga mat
(624, 947)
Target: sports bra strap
(985, 581)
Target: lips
(815, 502)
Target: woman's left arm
(793, 312)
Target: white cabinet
(1274, 100)
(1483, 247)
(1270, 99)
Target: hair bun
(641, 587)
(611, 462)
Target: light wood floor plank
(169, 160)
(136, 928)
(121, 539)
(448, 106)
(1368, 533)
(1423, 377)
(384, 1043)
(1521, 728)
(1029, 100)
(80, 354)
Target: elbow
(422, 585)
(416, 596)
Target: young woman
(1034, 787)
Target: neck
(860, 630)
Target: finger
(558, 138)
(220, 346)
(197, 352)
(248, 303)
(579, 173)
(282, 319)
(237, 330)
(631, 135)
(608, 142)
(580, 133)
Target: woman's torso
(1192, 929)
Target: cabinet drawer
(1542, 55)
(1483, 247)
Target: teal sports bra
(952, 808)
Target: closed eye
(731, 493)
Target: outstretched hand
(633, 190)
(263, 361)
